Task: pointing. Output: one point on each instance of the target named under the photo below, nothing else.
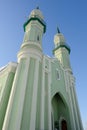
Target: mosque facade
(38, 92)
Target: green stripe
(33, 19)
(62, 46)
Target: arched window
(38, 38)
(57, 74)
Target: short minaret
(61, 50)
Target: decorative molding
(31, 44)
(62, 46)
(27, 53)
(34, 19)
(53, 60)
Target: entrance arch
(59, 109)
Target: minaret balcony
(62, 46)
(33, 19)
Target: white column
(42, 97)
(49, 97)
(34, 97)
(72, 119)
(75, 108)
(21, 96)
(70, 99)
(9, 107)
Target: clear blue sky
(69, 15)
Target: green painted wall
(58, 86)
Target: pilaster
(15, 105)
(43, 94)
(74, 103)
(34, 97)
(68, 90)
(49, 97)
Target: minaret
(62, 50)
(42, 95)
(34, 29)
(23, 106)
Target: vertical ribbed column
(75, 110)
(43, 94)
(49, 98)
(15, 106)
(72, 118)
(39, 96)
(46, 115)
(34, 97)
(72, 112)
(25, 120)
(78, 112)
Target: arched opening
(38, 38)
(59, 109)
(63, 125)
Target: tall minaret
(23, 110)
(62, 50)
(34, 29)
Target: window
(57, 74)
(38, 38)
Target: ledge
(35, 18)
(62, 46)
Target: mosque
(38, 92)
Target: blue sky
(70, 16)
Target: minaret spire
(58, 31)
(37, 7)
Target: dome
(59, 38)
(36, 13)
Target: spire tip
(37, 7)
(58, 31)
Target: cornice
(62, 46)
(10, 67)
(33, 19)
